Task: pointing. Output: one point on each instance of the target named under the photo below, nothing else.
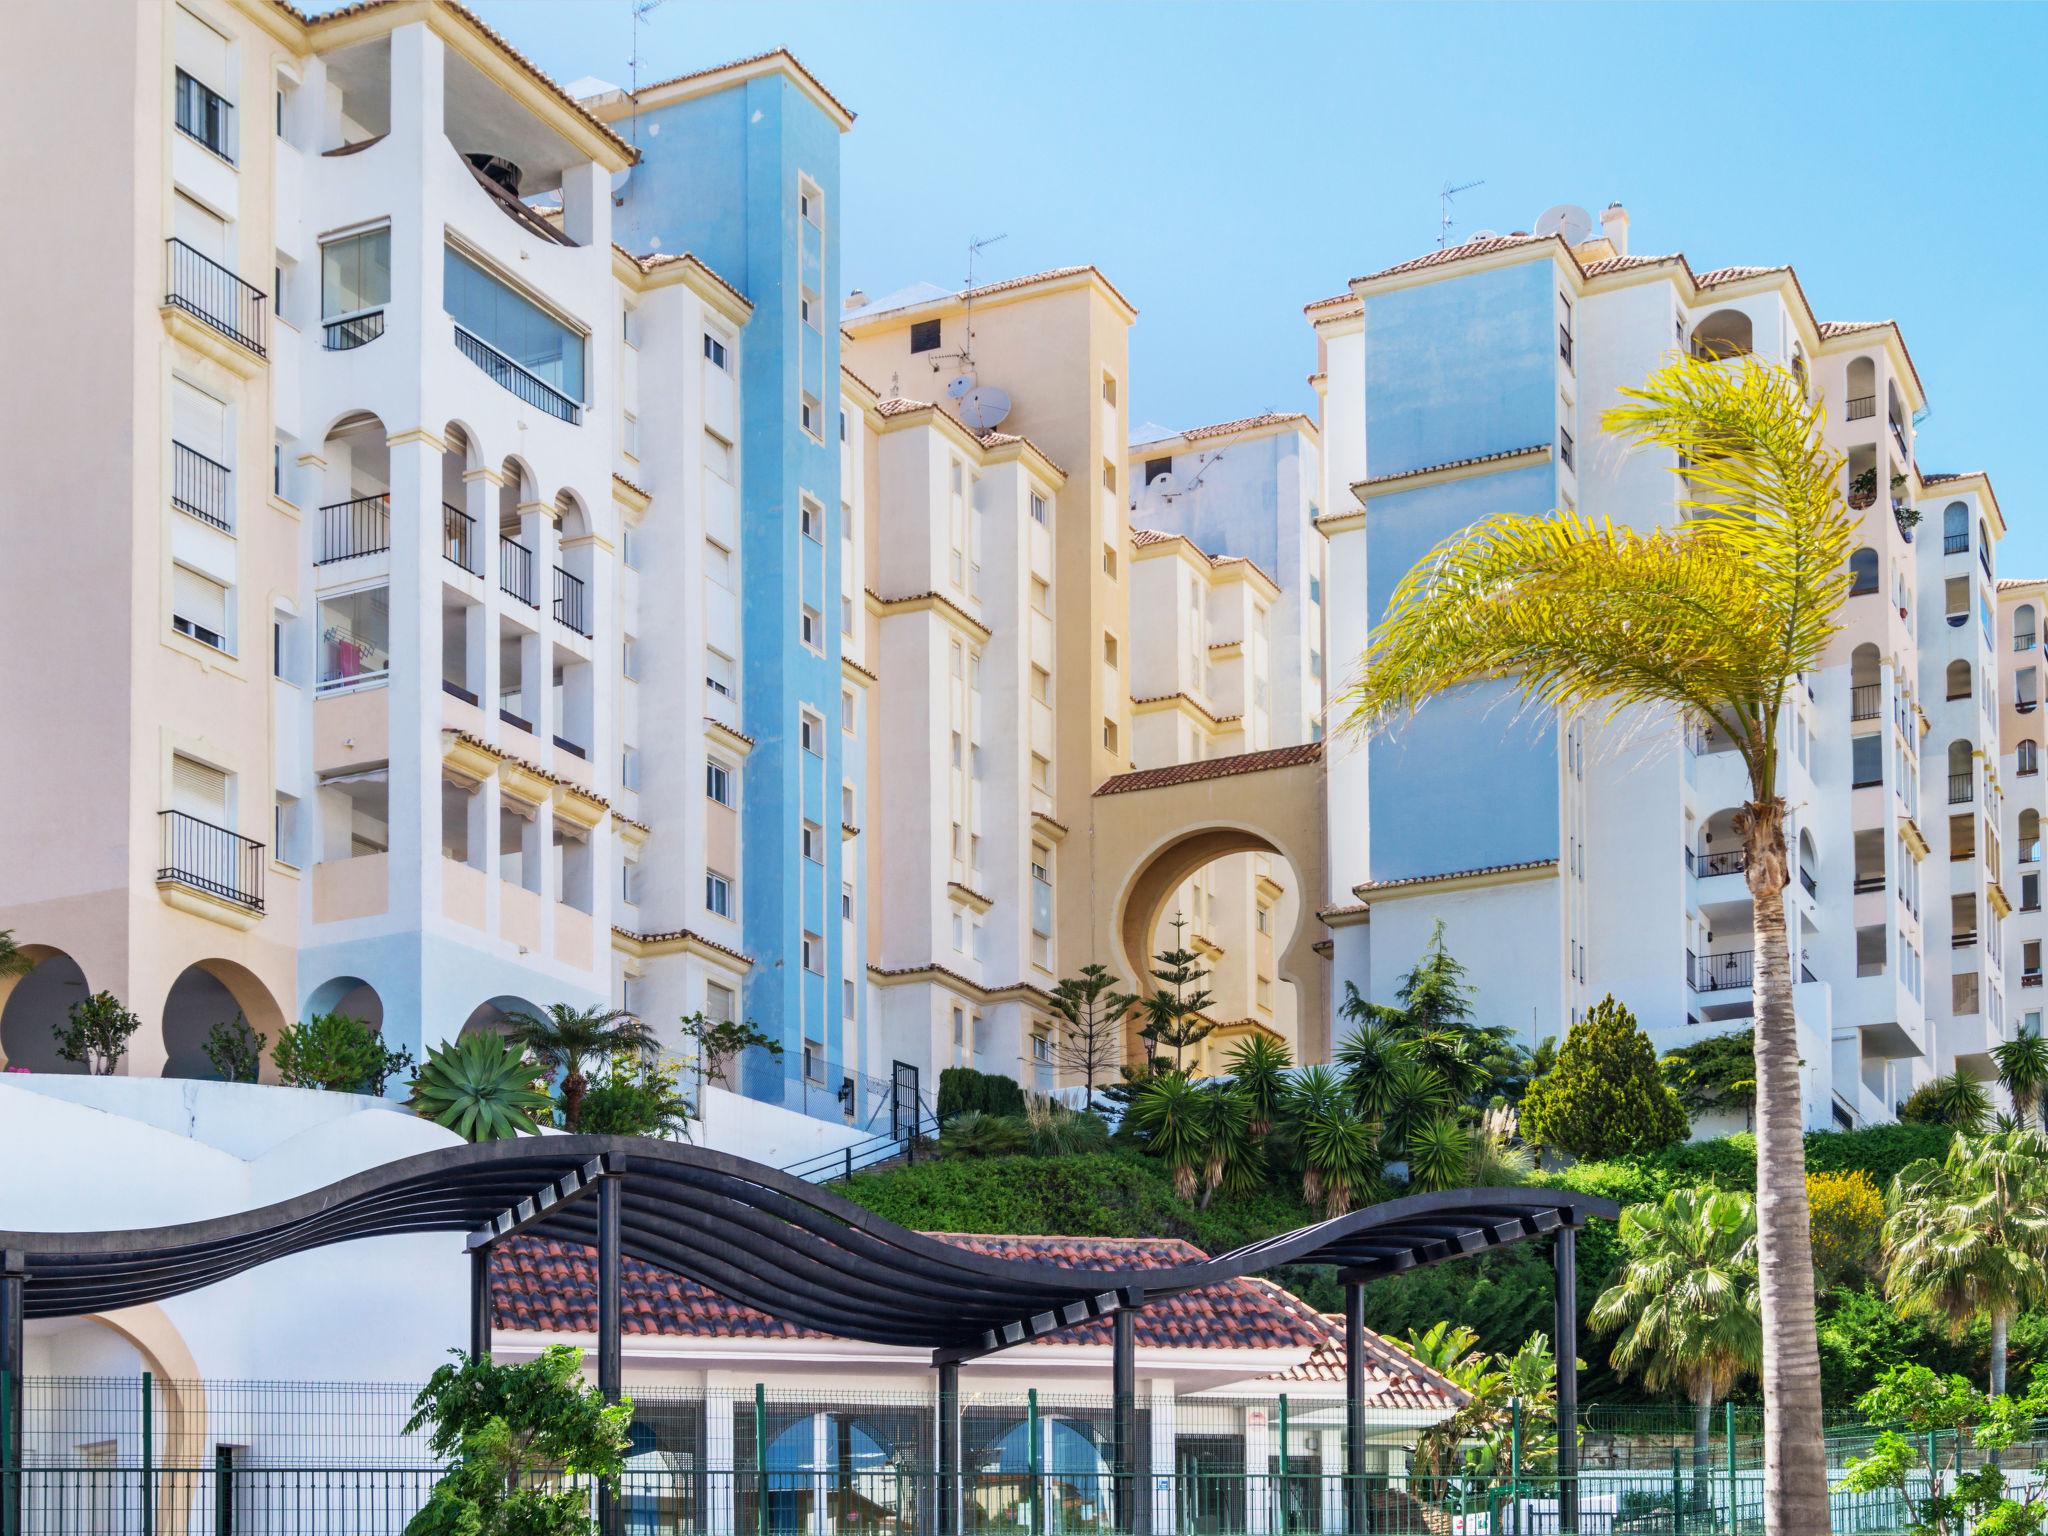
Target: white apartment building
(1471, 381)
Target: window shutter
(199, 790)
(199, 229)
(203, 54)
(199, 421)
(204, 602)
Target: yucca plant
(1341, 1154)
(1439, 1153)
(1172, 1121)
(481, 1087)
(1231, 1157)
(1314, 1094)
(1711, 619)
(2023, 1067)
(1259, 1067)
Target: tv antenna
(965, 356)
(641, 9)
(1443, 198)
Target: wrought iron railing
(458, 537)
(202, 287)
(1861, 406)
(346, 335)
(509, 375)
(202, 113)
(201, 487)
(1808, 883)
(212, 859)
(1724, 973)
(1865, 699)
(356, 527)
(1956, 543)
(1962, 788)
(515, 570)
(569, 604)
(1730, 861)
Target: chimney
(1614, 225)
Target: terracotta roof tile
(1151, 538)
(1213, 768)
(656, 260)
(1430, 469)
(674, 934)
(1449, 874)
(900, 406)
(1393, 1377)
(542, 1285)
(752, 58)
(1451, 253)
(1720, 275)
(1832, 328)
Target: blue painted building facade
(746, 177)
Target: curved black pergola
(768, 1240)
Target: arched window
(1983, 543)
(2023, 627)
(1724, 333)
(1959, 679)
(1863, 571)
(2030, 837)
(2028, 755)
(1955, 528)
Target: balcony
(1866, 883)
(509, 375)
(353, 331)
(1865, 700)
(1962, 788)
(351, 529)
(208, 291)
(515, 570)
(1861, 406)
(210, 859)
(200, 487)
(458, 537)
(1731, 861)
(204, 115)
(349, 660)
(569, 604)
(1956, 543)
(1963, 940)
(1731, 972)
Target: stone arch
(350, 995)
(210, 992)
(1724, 333)
(1154, 828)
(494, 1014)
(34, 1003)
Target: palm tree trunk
(1999, 1322)
(572, 1099)
(1795, 1457)
(1702, 1438)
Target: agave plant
(481, 1087)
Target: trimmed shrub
(963, 1090)
(1605, 1096)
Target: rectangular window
(355, 636)
(513, 325)
(811, 310)
(629, 546)
(1041, 893)
(812, 517)
(1109, 562)
(1109, 477)
(846, 999)
(1109, 389)
(924, 336)
(714, 351)
(355, 274)
(1315, 589)
(810, 203)
(718, 782)
(1866, 761)
(718, 674)
(203, 114)
(1109, 736)
(809, 419)
(1038, 509)
(718, 565)
(1109, 650)
(629, 659)
(199, 607)
(719, 1003)
(814, 954)
(629, 437)
(811, 629)
(846, 904)
(717, 894)
(814, 842)
(811, 732)
(1154, 468)
(629, 766)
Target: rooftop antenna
(965, 356)
(641, 8)
(1443, 198)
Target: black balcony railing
(569, 605)
(1962, 788)
(1564, 343)
(1806, 880)
(1724, 973)
(1963, 940)
(1730, 861)
(1956, 543)
(1867, 883)
(201, 487)
(203, 287)
(347, 335)
(211, 859)
(458, 537)
(510, 375)
(515, 570)
(361, 526)
(1865, 700)
(202, 113)
(1899, 436)
(1861, 406)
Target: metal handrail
(200, 486)
(827, 1167)
(348, 334)
(1865, 700)
(1731, 861)
(510, 375)
(1861, 406)
(458, 536)
(353, 528)
(202, 287)
(515, 570)
(1728, 972)
(569, 605)
(1962, 788)
(212, 859)
(204, 115)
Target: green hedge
(963, 1090)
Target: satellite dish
(984, 407)
(1567, 220)
(958, 386)
(620, 178)
(1166, 483)
(1482, 234)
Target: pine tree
(1173, 1013)
(1605, 1097)
(1092, 1013)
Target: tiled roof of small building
(1831, 328)
(1451, 874)
(753, 58)
(1212, 768)
(1394, 1378)
(542, 1285)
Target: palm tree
(1259, 1066)
(1686, 1300)
(1957, 1101)
(1713, 620)
(565, 1040)
(1967, 1237)
(12, 961)
(2023, 1068)
(1170, 1116)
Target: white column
(415, 685)
(1165, 1433)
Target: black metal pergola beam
(538, 1206)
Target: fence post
(1728, 1419)
(849, 1161)
(1031, 1454)
(7, 1458)
(1515, 1459)
(148, 1456)
(1677, 1492)
(760, 1458)
(1283, 1465)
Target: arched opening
(1720, 851)
(460, 456)
(1959, 685)
(1961, 772)
(348, 995)
(353, 539)
(1955, 528)
(495, 1016)
(1809, 863)
(2030, 837)
(570, 673)
(35, 1006)
(2023, 627)
(1866, 682)
(519, 539)
(1862, 397)
(1239, 901)
(1724, 333)
(1983, 542)
(1863, 572)
(210, 993)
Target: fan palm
(1967, 1237)
(1713, 620)
(1686, 1300)
(565, 1040)
(2023, 1067)
(12, 961)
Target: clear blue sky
(1226, 163)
